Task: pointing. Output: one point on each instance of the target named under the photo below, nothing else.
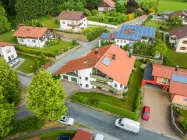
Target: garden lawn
(29, 65)
(52, 135)
(170, 5)
(7, 37)
(49, 22)
(173, 58)
(184, 113)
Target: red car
(146, 113)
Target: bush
(126, 47)
(94, 102)
(33, 51)
(74, 42)
(54, 42)
(27, 124)
(94, 12)
(184, 124)
(83, 99)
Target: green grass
(173, 58)
(52, 135)
(184, 113)
(170, 5)
(49, 22)
(28, 65)
(135, 84)
(7, 37)
(62, 46)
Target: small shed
(82, 135)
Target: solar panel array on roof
(167, 12)
(137, 34)
(106, 61)
(179, 78)
(105, 35)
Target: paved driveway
(159, 103)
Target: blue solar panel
(139, 32)
(179, 78)
(106, 61)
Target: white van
(99, 137)
(128, 125)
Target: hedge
(33, 51)
(28, 124)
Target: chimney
(96, 51)
(176, 68)
(28, 30)
(114, 56)
(130, 54)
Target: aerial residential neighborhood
(93, 70)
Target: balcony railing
(13, 60)
(102, 85)
(101, 78)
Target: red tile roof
(166, 72)
(82, 135)
(111, 3)
(119, 69)
(6, 44)
(30, 31)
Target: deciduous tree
(45, 97)
(4, 24)
(7, 111)
(131, 5)
(9, 82)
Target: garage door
(74, 79)
(65, 77)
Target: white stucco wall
(180, 44)
(83, 74)
(9, 53)
(64, 24)
(29, 42)
(104, 9)
(121, 42)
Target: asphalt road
(98, 121)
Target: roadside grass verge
(52, 135)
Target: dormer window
(184, 99)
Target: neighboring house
(73, 20)
(178, 39)
(129, 34)
(8, 52)
(108, 67)
(171, 79)
(82, 135)
(33, 36)
(106, 5)
(181, 13)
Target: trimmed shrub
(83, 99)
(94, 102)
(184, 124)
(74, 42)
(27, 124)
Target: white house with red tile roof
(73, 20)
(171, 79)
(8, 52)
(106, 5)
(108, 67)
(32, 36)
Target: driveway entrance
(159, 103)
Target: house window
(184, 42)
(184, 99)
(34, 41)
(124, 41)
(21, 40)
(12, 56)
(63, 22)
(182, 48)
(80, 78)
(121, 86)
(8, 50)
(86, 78)
(115, 85)
(84, 19)
(117, 40)
(87, 85)
(81, 84)
(121, 41)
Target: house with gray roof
(129, 34)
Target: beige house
(178, 39)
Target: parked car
(64, 137)
(128, 125)
(146, 113)
(67, 120)
(99, 137)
